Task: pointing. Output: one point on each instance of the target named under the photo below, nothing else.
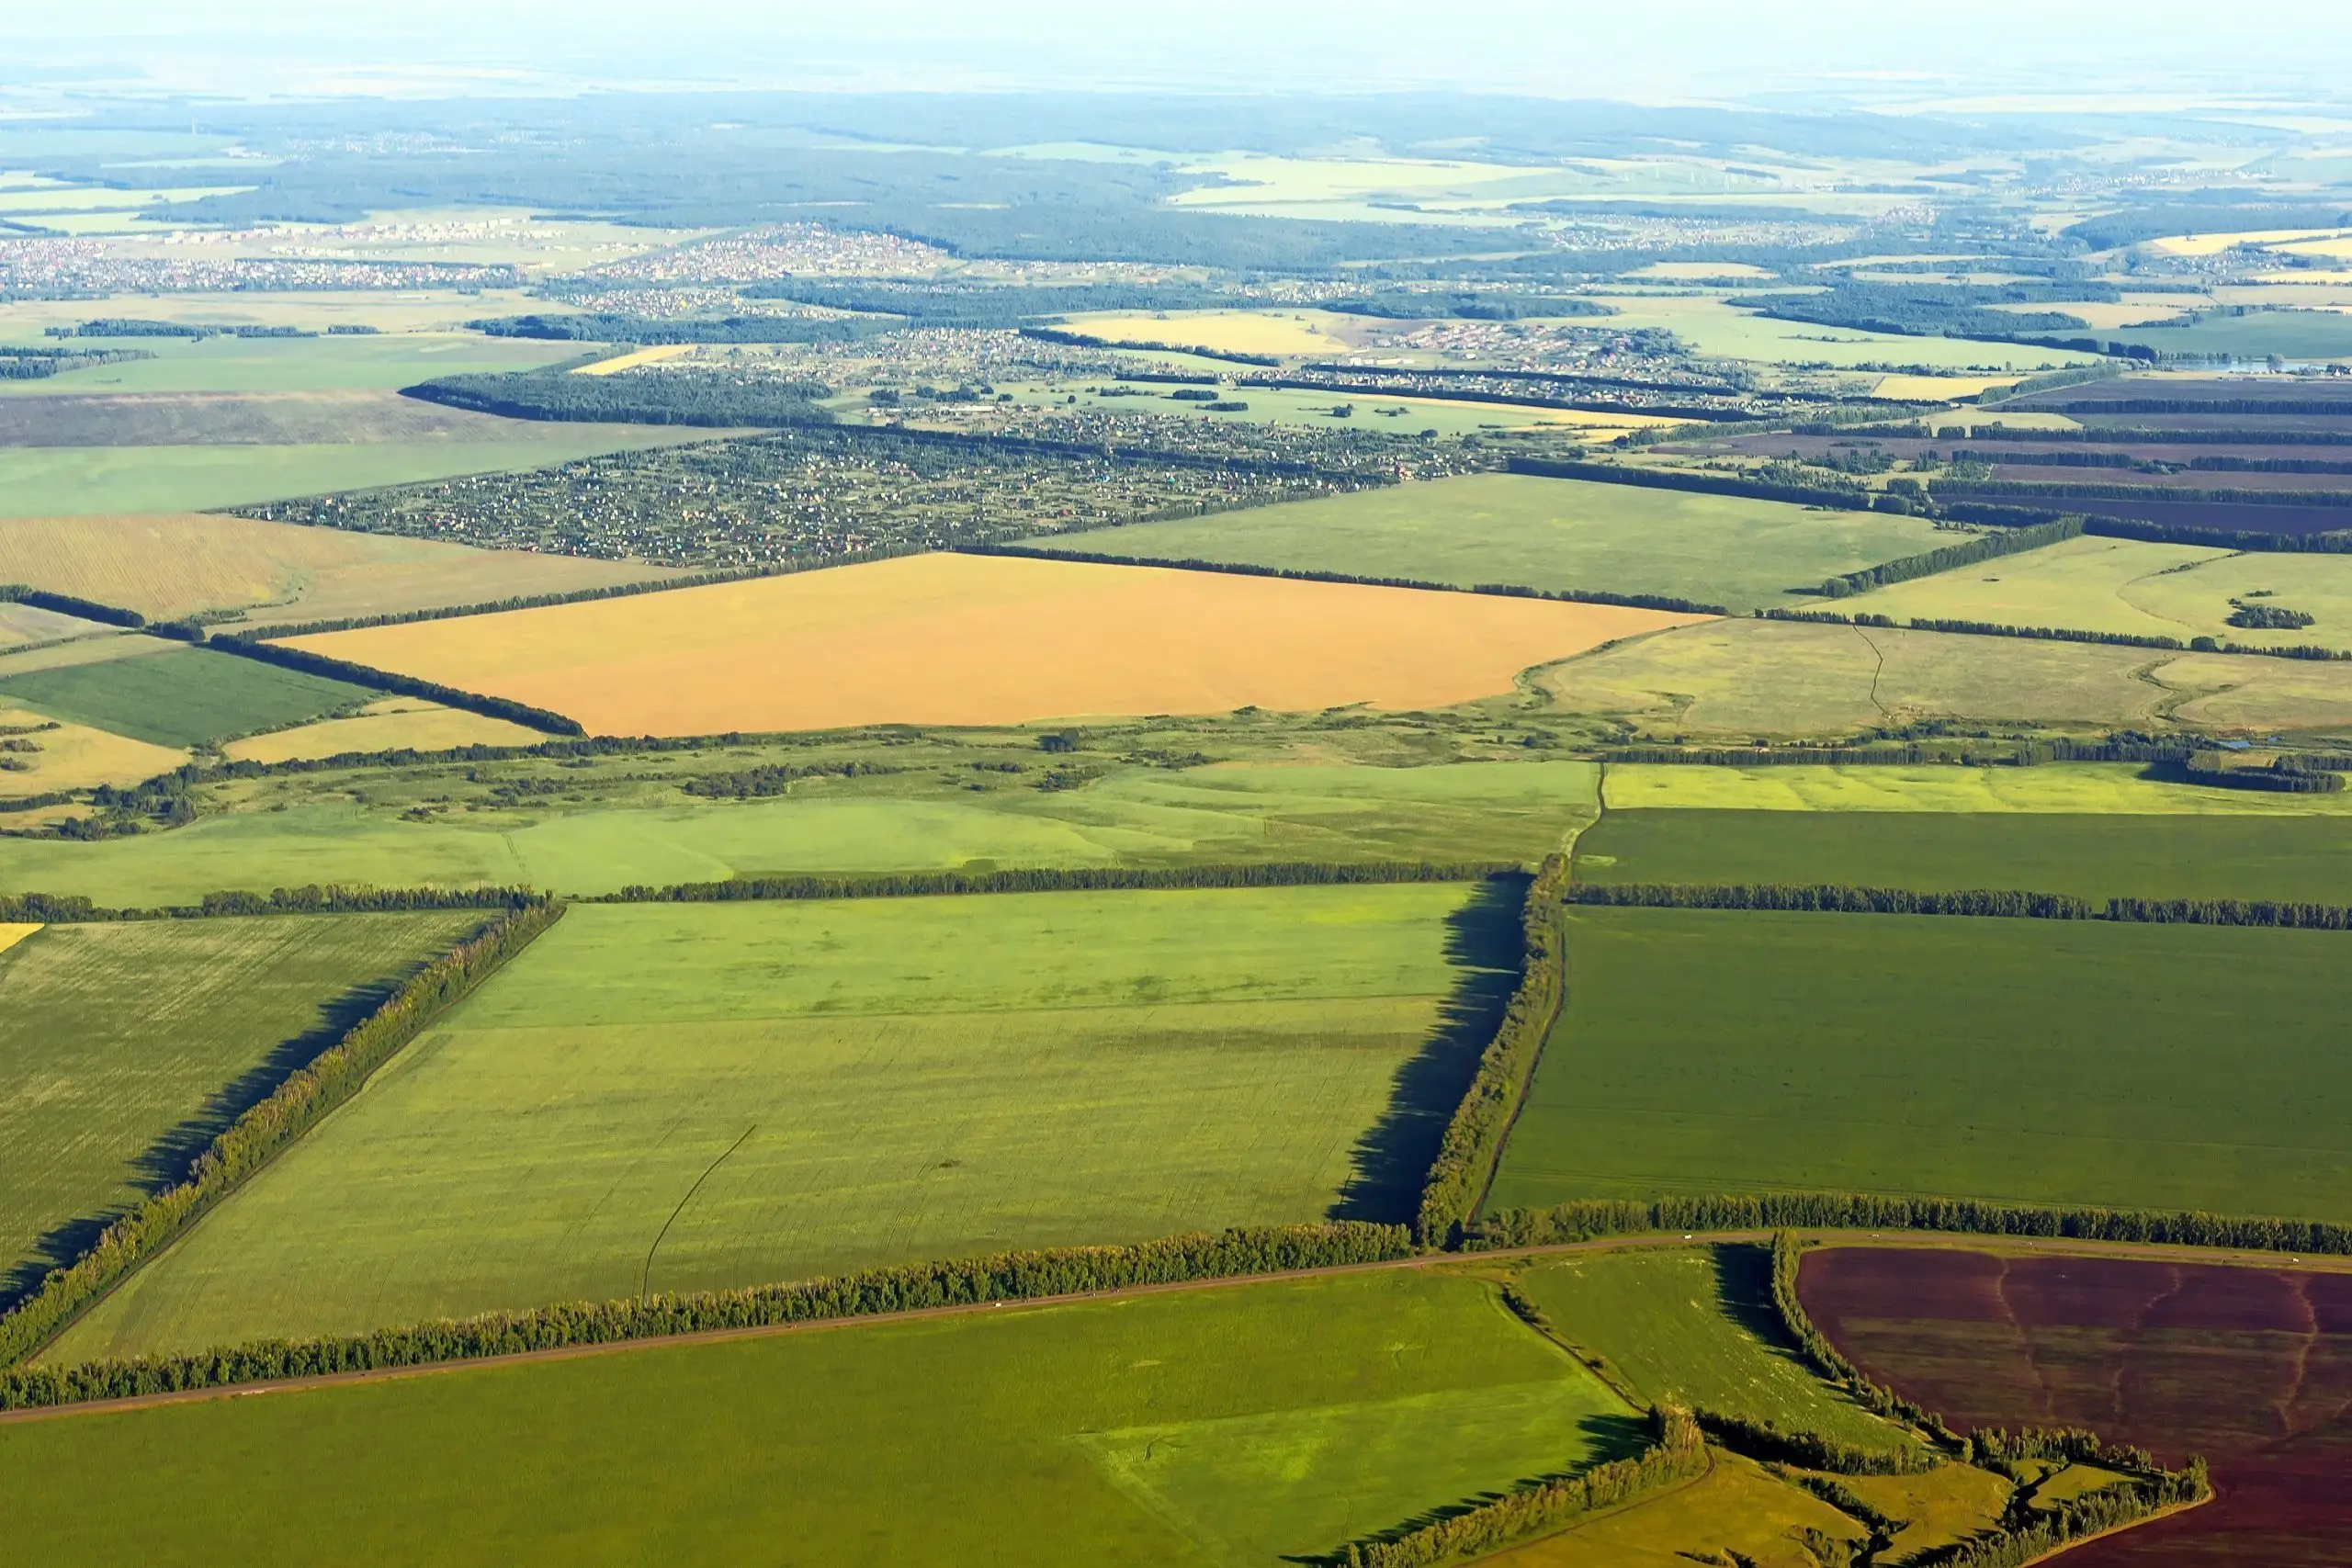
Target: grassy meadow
(686, 1097)
(1740, 679)
(2124, 585)
(1024, 640)
(123, 1048)
(357, 827)
(1546, 534)
(1737, 1507)
(175, 564)
(182, 697)
(1696, 1325)
(74, 756)
(385, 726)
(58, 482)
(2295, 858)
(1237, 1425)
(385, 362)
(2028, 1061)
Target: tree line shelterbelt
(823, 494)
(1835, 898)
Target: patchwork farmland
(1227, 826)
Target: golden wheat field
(177, 564)
(14, 931)
(985, 639)
(392, 724)
(74, 756)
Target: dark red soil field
(2252, 1367)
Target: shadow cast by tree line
(164, 1163)
(1483, 938)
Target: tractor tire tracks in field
(646, 1277)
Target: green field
(2031, 1061)
(2064, 789)
(385, 362)
(2291, 334)
(181, 698)
(1226, 1426)
(686, 1097)
(1546, 534)
(1740, 679)
(2303, 859)
(2123, 585)
(1135, 816)
(123, 1048)
(1696, 1325)
(58, 482)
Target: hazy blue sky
(1649, 48)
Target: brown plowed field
(2252, 1367)
(987, 639)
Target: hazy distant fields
(683, 1097)
(174, 563)
(1539, 533)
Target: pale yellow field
(653, 355)
(1230, 331)
(14, 931)
(1694, 271)
(2131, 311)
(1737, 1507)
(2124, 585)
(2071, 789)
(977, 639)
(1734, 679)
(175, 564)
(2213, 244)
(388, 725)
(74, 756)
(1937, 388)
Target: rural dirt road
(1034, 1303)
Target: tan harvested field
(1740, 678)
(1232, 332)
(983, 640)
(175, 564)
(14, 931)
(1937, 388)
(98, 647)
(74, 756)
(391, 725)
(653, 355)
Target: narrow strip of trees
(264, 1132)
(1458, 1178)
(1054, 879)
(1587, 1218)
(1002, 1277)
(1678, 1452)
(60, 909)
(311, 663)
(1983, 547)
